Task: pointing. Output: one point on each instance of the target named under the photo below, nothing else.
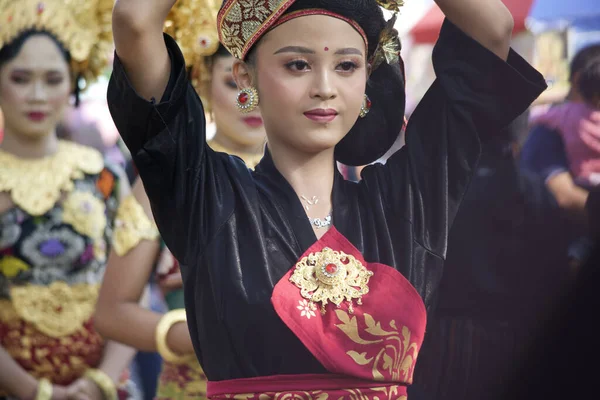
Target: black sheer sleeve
(167, 141)
(476, 93)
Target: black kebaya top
(236, 232)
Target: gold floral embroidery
(87, 214)
(240, 21)
(132, 225)
(395, 357)
(331, 276)
(11, 266)
(35, 185)
(377, 393)
(56, 310)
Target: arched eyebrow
(348, 51)
(305, 50)
(295, 49)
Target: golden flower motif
(396, 352)
(36, 185)
(391, 5)
(11, 266)
(86, 213)
(57, 310)
(388, 48)
(331, 276)
(132, 225)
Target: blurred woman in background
(57, 203)
(139, 250)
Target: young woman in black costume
(297, 282)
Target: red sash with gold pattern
(363, 321)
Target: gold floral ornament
(388, 48)
(132, 225)
(391, 5)
(57, 310)
(82, 26)
(331, 276)
(393, 360)
(35, 185)
(193, 24)
(87, 215)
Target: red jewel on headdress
(243, 98)
(40, 8)
(203, 42)
(331, 269)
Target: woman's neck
(310, 175)
(236, 147)
(24, 147)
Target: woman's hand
(60, 393)
(84, 389)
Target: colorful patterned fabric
(51, 266)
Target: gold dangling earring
(366, 106)
(247, 100)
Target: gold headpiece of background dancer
(193, 24)
(82, 26)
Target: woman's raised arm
(488, 22)
(138, 35)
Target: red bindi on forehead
(326, 49)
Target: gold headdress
(241, 23)
(82, 26)
(193, 24)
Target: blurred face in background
(243, 130)
(35, 87)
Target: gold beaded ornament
(83, 27)
(193, 25)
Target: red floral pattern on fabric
(62, 360)
(304, 387)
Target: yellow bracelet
(44, 390)
(162, 330)
(106, 385)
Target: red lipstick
(321, 115)
(37, 116)
(253, 122)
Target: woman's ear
(242, 74)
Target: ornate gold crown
(193, 24)
(82, 26)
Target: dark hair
(588, 83)
(582, 58)
(9, 51)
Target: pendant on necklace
(321, 223)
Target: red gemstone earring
(366, 106)
(247, 100)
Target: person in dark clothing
(563, 362)
(506, 264)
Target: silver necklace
(321, 223)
